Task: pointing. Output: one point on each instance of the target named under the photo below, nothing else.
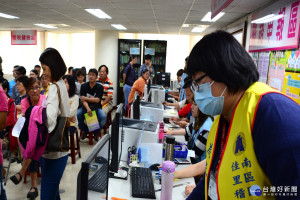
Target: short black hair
(23, 80)
(52, 58)
(16, 66)
(69, 69)
(186, 59)
(34, 71)
(37, 66)
(179, 72)
(80, 73)
(145, 70)
(21, 70)
(131, 58)
(72, 87)
(148, 57)
(5, 84)
(30, 82)
(223, 59)
(93, 70)
(1, 72)
(103, 66)
(187, 82)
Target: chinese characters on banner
(24, 37)
(218, 5)
(282, 33)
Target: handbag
(58, 140)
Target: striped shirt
(197, 140)
(108, 89)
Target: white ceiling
(138, 16)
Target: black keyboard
(142, 183)
(98, 182)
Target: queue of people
(45, 93)
(237, 126)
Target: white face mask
(208, 104)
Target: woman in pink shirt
(3, 113)
(34, 98)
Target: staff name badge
(212, 188)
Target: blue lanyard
(194, 138)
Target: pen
(116, 198)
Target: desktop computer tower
(158, 95)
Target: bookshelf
(158, 50)
(126, 48)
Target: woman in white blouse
(73, 101)
(53, 163)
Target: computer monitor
(136, 107)
(163, 78)
(95, 163)
(114, 163)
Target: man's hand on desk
(166, 103)
(189, 189)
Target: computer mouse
(154, 167)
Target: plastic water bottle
(161, 132)
(167, 179)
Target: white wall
(106, 52)
(77, 49)
(25, 55)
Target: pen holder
(132, 157)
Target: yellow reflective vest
(238, 168)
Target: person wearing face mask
(195, 133)
(254, 142)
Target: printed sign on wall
(24, 37)
(282, 32)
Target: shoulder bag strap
(58, 92)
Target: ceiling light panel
(119, 26)
(8, 16)
(98, 13)
(207, 17)
(45, 26)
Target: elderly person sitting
(34, 98)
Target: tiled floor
(68, 182)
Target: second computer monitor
(95, 165)
(163, 78)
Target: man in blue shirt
(13, 82)
(128, 78)
(147, 65)
(19, 71)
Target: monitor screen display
(92, 179)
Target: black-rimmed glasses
(195, 85)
